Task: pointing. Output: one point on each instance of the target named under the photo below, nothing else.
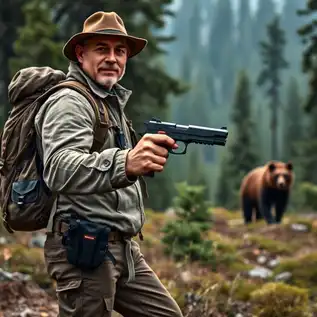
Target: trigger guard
(179, 153)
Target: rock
(192, 299)
(260, 272)
(3, 240)
(186, 276)
(16, 276)
(27, 313)
(5, 276)
(299, 227)
(283, 277)
(273, 263)
(261, 259)
(25, 299)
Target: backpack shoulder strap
(99, 107)
(133, 134)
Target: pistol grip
(150, 174)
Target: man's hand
(149, 155)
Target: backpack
(25, 200)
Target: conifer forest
(244, 65)
(247, 65)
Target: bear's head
(279, 175)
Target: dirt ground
(295, 238)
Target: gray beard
(110, 82)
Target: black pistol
(186, 134)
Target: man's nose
(111, 58)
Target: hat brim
(135, 44)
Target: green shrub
(280, 300)
(183, 237)
(303, 270)
(308, 195)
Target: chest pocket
(110, 134)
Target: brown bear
(265, 187)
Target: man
(101, 188)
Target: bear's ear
(272, 166)
(289, 166)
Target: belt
(60, 226)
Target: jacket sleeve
(66, 139)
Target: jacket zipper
(117, 115)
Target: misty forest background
(208, 62)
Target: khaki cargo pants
(97, 293)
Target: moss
(221, 213)
(256, 225)
(303, 270)
(24, 260)
(223, 243)
(300, 220)
(154, 222)
(272, 246)
(238, 266)
(243, 289)
(226, 257)
(280, 300)
(176, 292)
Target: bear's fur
(266, 187)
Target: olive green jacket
(95, 186)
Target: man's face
(103, 59)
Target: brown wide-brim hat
(101, 24)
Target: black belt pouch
(86, 243)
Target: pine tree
(293, 124)
(309, 66)
(221, 45)
(223, 195)
(264, 14)
(244, 45)
(11, 18)
(308, 154)
(197, 170)
(39, 30)
(242, 152)
(271, 52)
(307, 161)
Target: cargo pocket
(57, 264)
(70, 297)
(108, 304)
(25, 192)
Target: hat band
(110, 31)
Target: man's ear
(79, 51)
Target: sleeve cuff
(120, 178)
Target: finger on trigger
(163, 138)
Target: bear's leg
(247, 208)
(265, 206)
(258, 215)
(280, 206)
